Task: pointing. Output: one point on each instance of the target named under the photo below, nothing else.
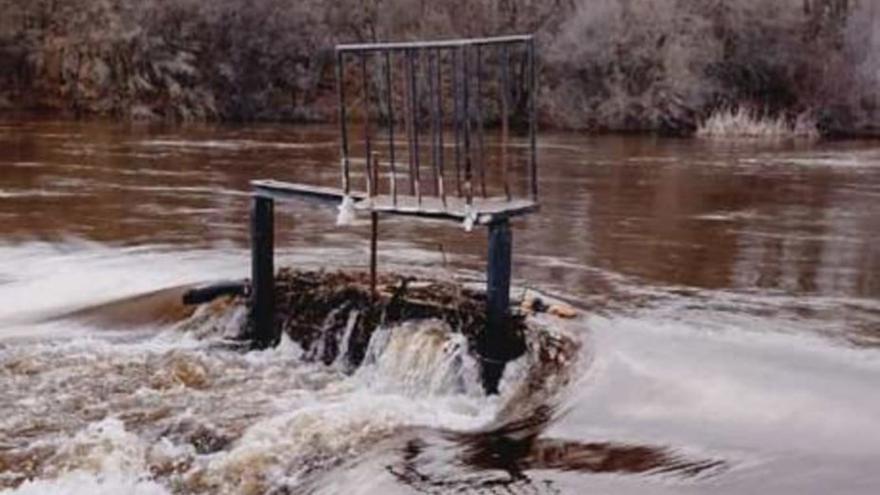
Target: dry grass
(748, 123)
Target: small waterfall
(342, 360)
(421, 358)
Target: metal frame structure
(435, 88)
(468, 64)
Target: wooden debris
(562, 311)
(313, 308)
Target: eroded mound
(334, 314)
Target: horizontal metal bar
(485, 211)
(286, 190)
(208, 293)
(405, 45)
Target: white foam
(102, 459)
(83, 483)
(46, 280)
(416, 374)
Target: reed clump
(748, 123)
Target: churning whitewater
(175, 408)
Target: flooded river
(730, 341)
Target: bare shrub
(608, 65)
(851, 96)
(630, 65)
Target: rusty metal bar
(374, 254)
(456, 110)
(436, 126)
(505, 117)
(458, 43)
(441, 128)
(340, 93)
(389, 86)
(414, 124)
(478, 109)
(533, 146)
(408, 70)
(374, 174)
(365, 83)
(468, 170)
(433, 116)
(374, 237)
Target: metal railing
(433, 88)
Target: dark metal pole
(343, 129)
(374, 236)
(265, 333)
(374, 249)
(497, 339)
(533, 159)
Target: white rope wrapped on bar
(347, 212)
(470, 218)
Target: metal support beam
(265, 333)
(533, 122)
(496, 340)
(374, 253)
(343, 126)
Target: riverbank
(659, 66)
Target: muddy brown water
(730, 341)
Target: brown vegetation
(606, 65)
(328, 313)
(743, 122)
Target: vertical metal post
(343, 129)
(390, 95)
(442, 183)
(374, 250)
(478, 109)
(432, 65)
(415, 186)
(416, 108)
(456, 110)
(494, 345)
(365, 89)
(374, 237)
(533, 159)
(265, 333)
(434, 85)
(468, 170)
(505, 117)
(407, 115)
